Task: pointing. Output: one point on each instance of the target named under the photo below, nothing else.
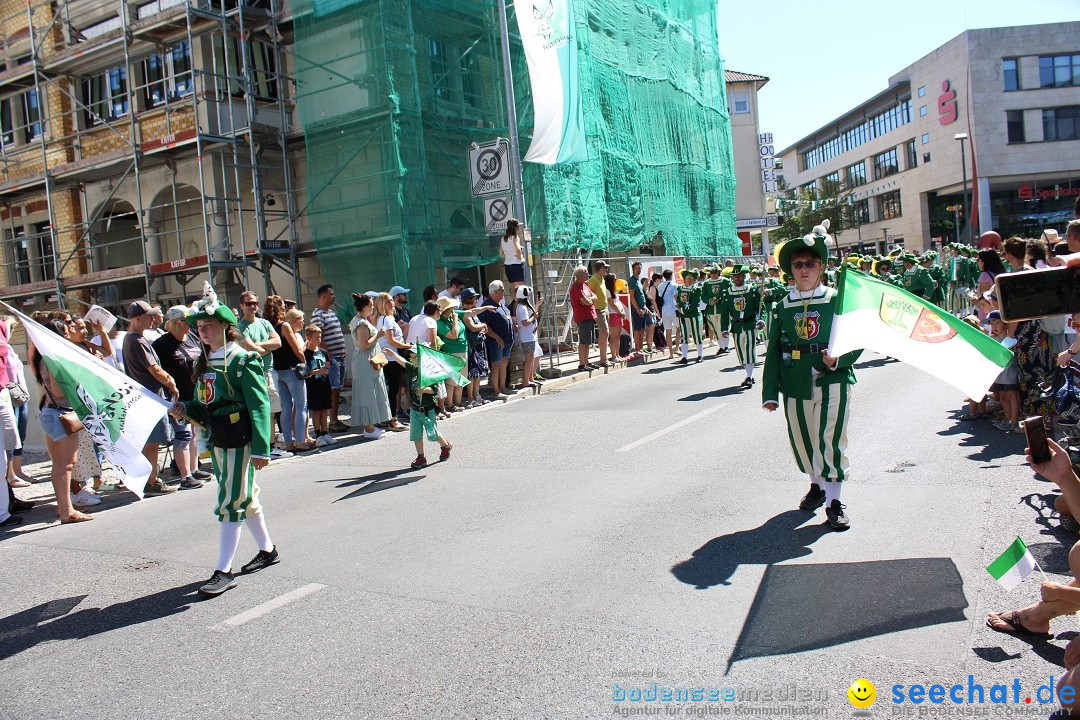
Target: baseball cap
(141, 307)
(372, 294)
(469, 293)
(601, 264)
(398, 290)
(993, 315)
(524, 291)
(177, 312)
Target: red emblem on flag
(931, 328)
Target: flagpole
(512, 123)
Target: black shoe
(753, 381)
(813, 499)
(11, 521)
(719, 352)
(747, 383)
(583, 368)
(838, 519)
(262, 560)
(201, 475)
(698, 360)
(724, 351)
(684, 361)
(219, 582)
(592, 366)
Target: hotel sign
(767, 161)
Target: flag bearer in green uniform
(916, 280)
(741, 309)
(937, 274)
(687, 300)
(815, 385)
(232, 402)
(713, 292)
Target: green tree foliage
(813, 206)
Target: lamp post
(885, 239)
(963, 167)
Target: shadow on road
(992, 444)
(721, 392)
(376, 482)
(24, 630)
(809, 607)
(779, 539)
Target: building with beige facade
(754, 172)
(1009, 98)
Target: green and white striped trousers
(238, 495)
(690, 329)
(817, 429)
(746, 345)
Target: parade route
(634, 530)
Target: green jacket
(687, 300)
(798, 337)
(741, 307)
(236, 385)
(713, 292)
(917, 281)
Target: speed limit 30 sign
(489, 168)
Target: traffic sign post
(497, 211)
(489, 168)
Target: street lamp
(885, 239)
(963, 166)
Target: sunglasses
(251, 304)
(807, 264)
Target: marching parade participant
(773, 291)
(687, 300)
(231, 400)
(916, 280)
(741, 308)
(713, 291)
(937, 274)
(815, 385)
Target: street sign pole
(512, 122)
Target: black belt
(61, 408)
(812, 348)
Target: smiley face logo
(862, 693)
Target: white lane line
(671, 428)
(268, 606)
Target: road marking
(268, 606)
(671, 428)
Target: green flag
(435, 366)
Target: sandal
(76, 517)
(1015, 626)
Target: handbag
(230, 430)
(71, 422)
(302, 371)
(378, 361)
(1066, 396)
(19, 397)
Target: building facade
(754, 167)
(999, 107)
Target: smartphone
(1038, 293)
(1038, 448)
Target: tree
(803, 210)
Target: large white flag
(118, 412)
(548, 34)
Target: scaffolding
(146, 146)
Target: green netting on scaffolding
(392, 92)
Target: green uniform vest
(220, 389)
(687, 300)
(741, 307)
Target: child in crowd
(976, 410)
(422, 418)
(318, 386)
(1006, 388)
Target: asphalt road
(635, 529)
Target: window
(1061, 123)
(264, 70)
(809, 188)
(168, 76)
(922, 91)
(740, 102)
(885, 164)
(31, 115)
(472, 80)
(873, 127)
(1014, 123)
(889, 205)
(926, 138)
(1010, 74)
(153, 8)
(44, 247)
(17, 257)
(860, 212)
(922, 111)
(440, 69)
(856, 175)
(1059, 70)
(228, 69)
(830, 184)
(105, 96)
(7, 127)
(912, 154)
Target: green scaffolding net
(392, 92)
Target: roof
(734, 76)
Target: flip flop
(1015, 626)
(76, 517)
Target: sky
(824, 58)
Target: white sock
(749, 368)
(832, 492)
(257, 525)
(724, 341)
(700, 350)
(230, 539)
(685, 347)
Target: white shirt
(510, 253)
(387, 322)
(526, 333)
(117, 358)
(418, 328)
(446, 294)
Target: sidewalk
(36, 464)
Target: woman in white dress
(370, 405)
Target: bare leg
(150, 452)
(62, 454)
